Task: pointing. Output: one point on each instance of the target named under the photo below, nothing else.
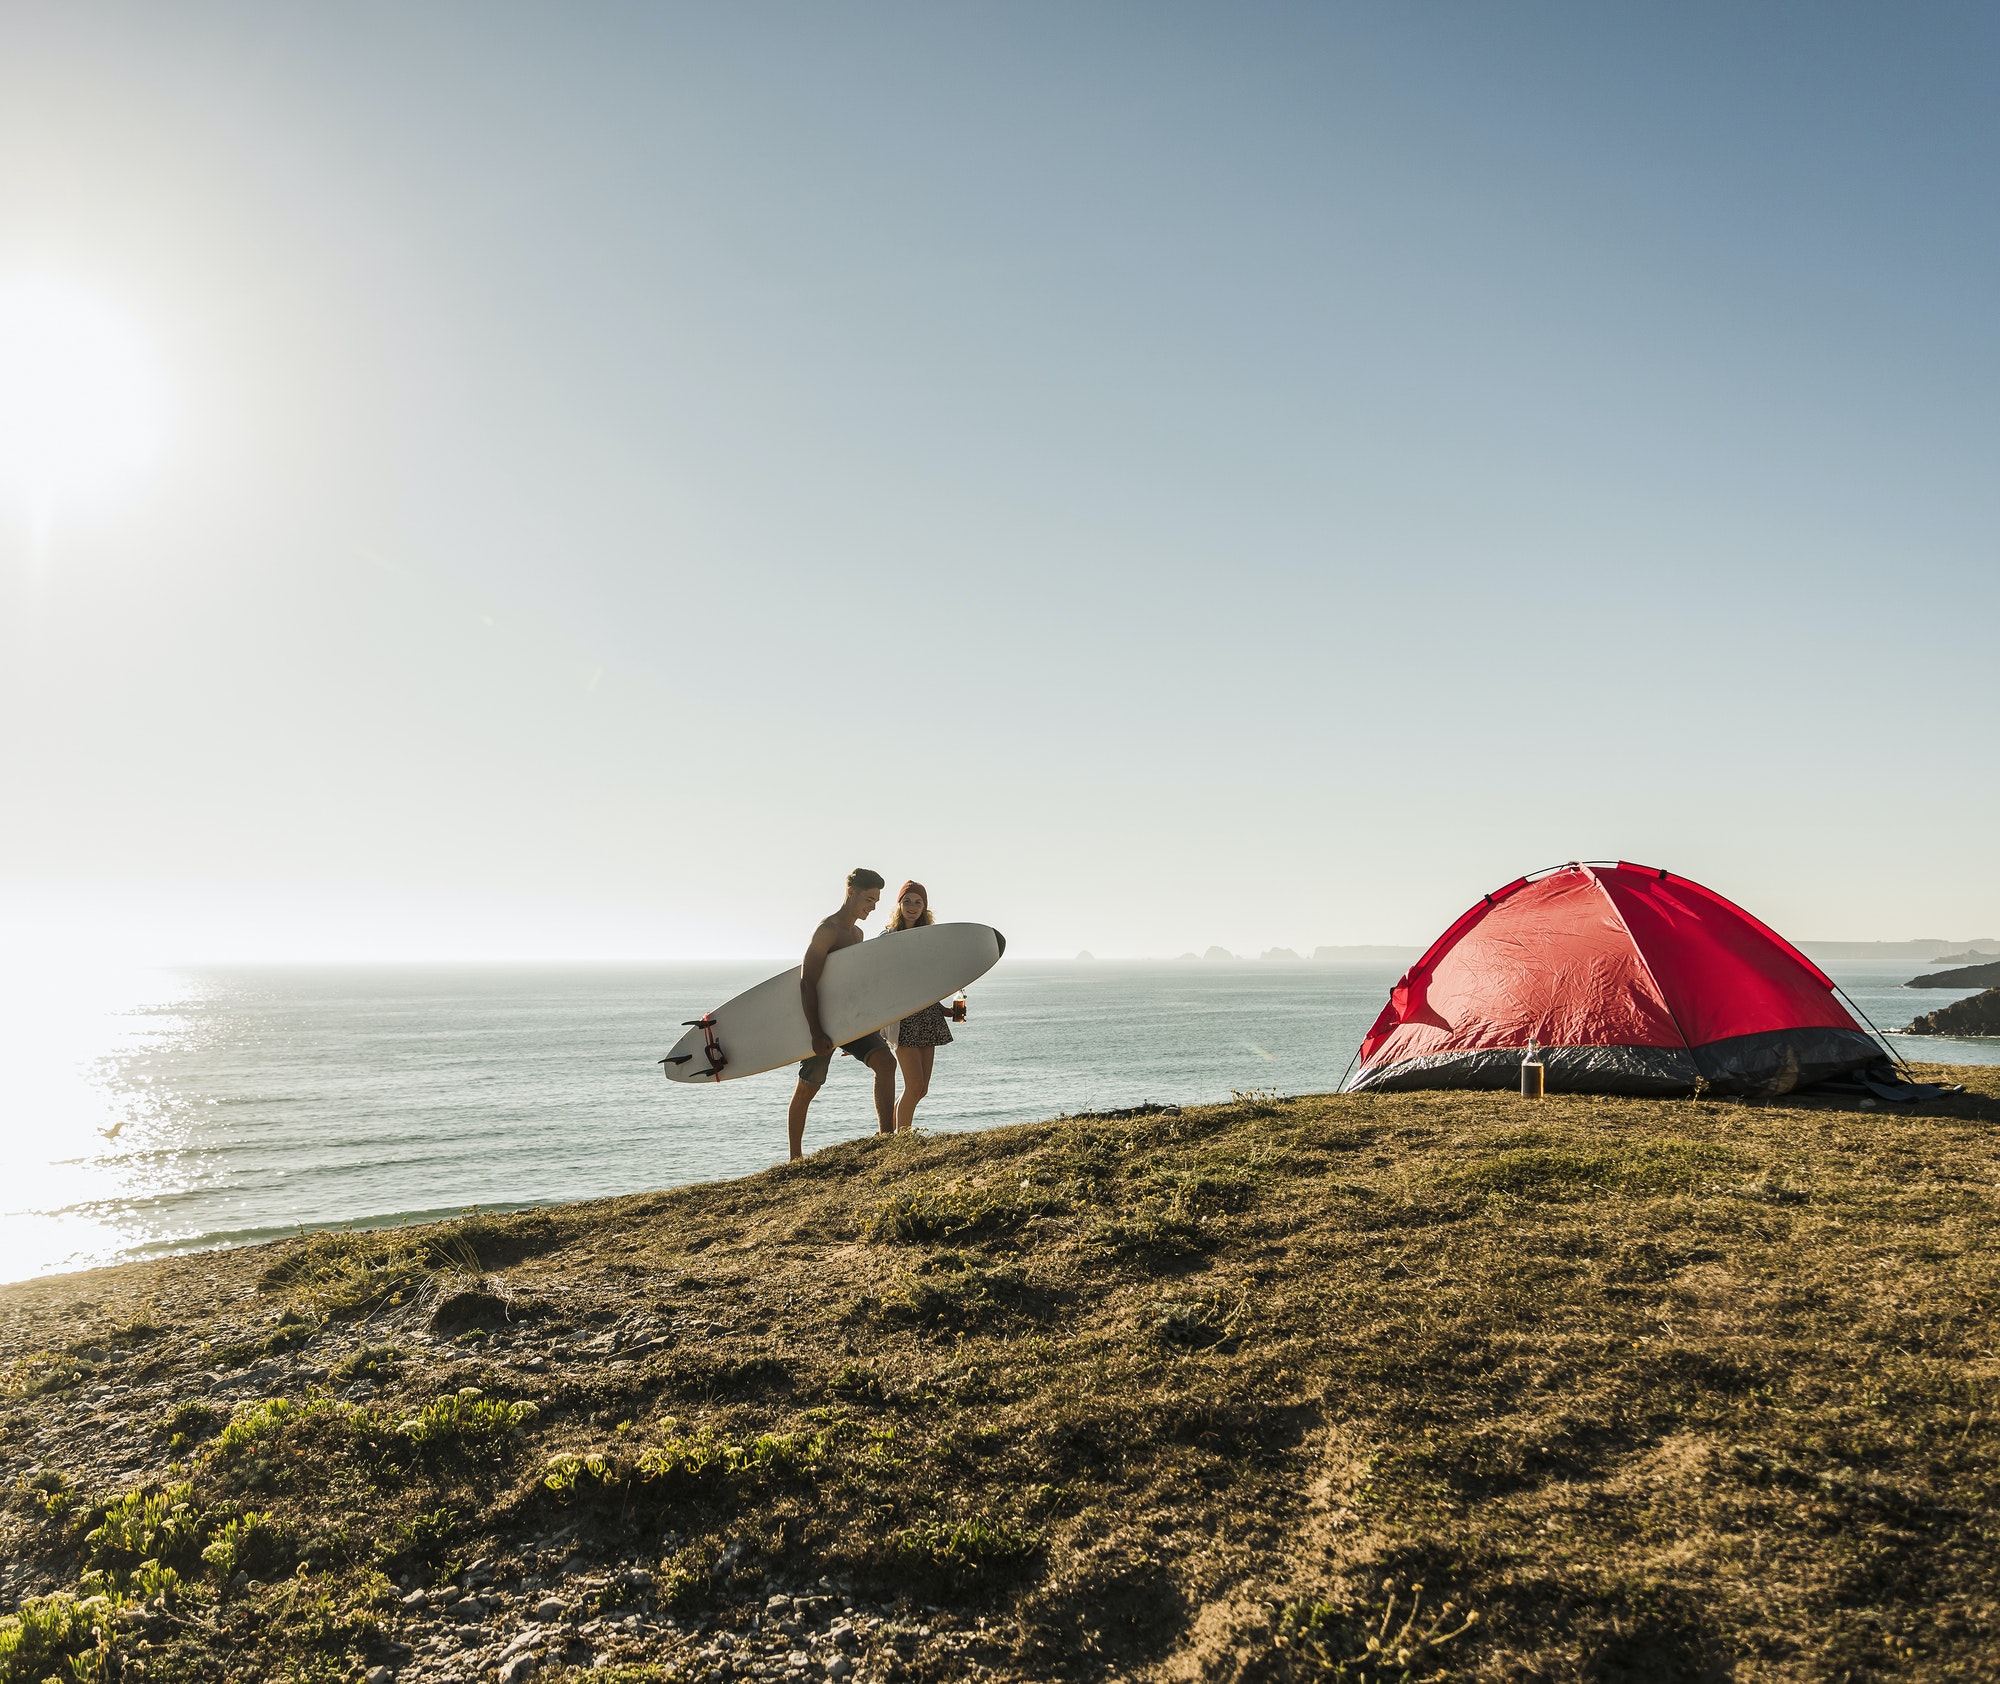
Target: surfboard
(864, 988)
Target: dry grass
(340, 1272)
(1640, 1389)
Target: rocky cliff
(1978, 1016)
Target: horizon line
(1278, 955)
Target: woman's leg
(916, 1063)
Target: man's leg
(802, 1096)
(883, 1062)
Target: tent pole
(1894, 1055)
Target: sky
(524, 482)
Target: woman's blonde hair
(896, 919)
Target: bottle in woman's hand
(957, 1010)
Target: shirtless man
(843, 929)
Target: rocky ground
(1507, 1390)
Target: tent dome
(1627, 979)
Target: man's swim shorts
(813, 1071)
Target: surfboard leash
(716, 1062)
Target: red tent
(1627, 980)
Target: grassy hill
(1372, 1387)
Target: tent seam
(1646, 965)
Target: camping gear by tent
(1624, 979)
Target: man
(843, 929)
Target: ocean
(170, 1110)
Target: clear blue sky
(1161, 474)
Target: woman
(919, 1035)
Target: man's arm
(809, 975)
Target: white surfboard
(864, 988)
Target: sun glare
(81, 403)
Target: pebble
(550, 1608)
(526, 1638)
(521, 1666)
(379, 1675)
(839, 1667)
